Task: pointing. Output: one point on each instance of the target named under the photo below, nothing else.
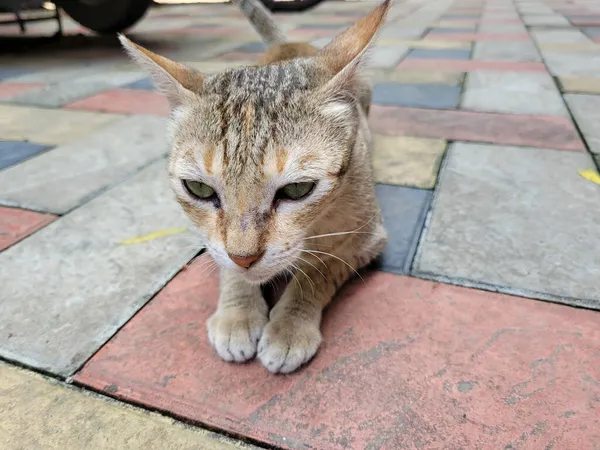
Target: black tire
(290, 6)
(105, 16)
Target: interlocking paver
(68, 176)
(69, 287)
(506, 51)
(397, 351)
(410, 76)
(48, 126)
(507, 129)
(512, 92)
(456, 65)
(539, 226)
(404, 210)
(8, 90)
(440, 54)
(125, 101)
(407, 161)
(40, 413)
(13, 152)
(584, 85)
(16, 224)
(586, 110)
(59, 94)
(420, 95)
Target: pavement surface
(479, 330)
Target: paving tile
(431, 44)
(7, 73)
(439, 54)
(506, 129)
(577, 47)
(404, 210)
(59, 94)
(533, 239)
(586, 111)
(559, 36)
(16, 224)
(545, 20)
(455, 65)
(584, 64)
(13, 152)
(407, 161)
(421, 95)
(506, 51)
(583, 85)
(405, 363)
(464, 30)
(41, 413)
(252, 47)
(55, 319)
(9, 89)
(480, 36)
(409, 76)
(513, 93)
(69, 175)
(125, 101)
(48, 126)
(386, 57)
(145, 84)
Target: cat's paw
(234, 334)
(287, 343)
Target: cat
(272, 163)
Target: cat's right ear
(175, 80)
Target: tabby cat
(273, 165)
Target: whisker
(307, 277)
(315, 267)
(336, 257)
(341, 233)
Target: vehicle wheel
(105, 16)
(290, 5)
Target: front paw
(234, 333)
(287, 343)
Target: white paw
(286, 344)
(234, 334)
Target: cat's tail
(261, 19)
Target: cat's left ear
(347, 54)
(175, 80)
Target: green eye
(199, 190)
(295, 191)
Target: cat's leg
(237, 324)
(292, 336)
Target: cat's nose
(245, 261)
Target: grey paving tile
(545, 20)
(66, 289)
(386, 57)
(14, 152)
(586, 111)
(466, 29)
(559, 36)
(64, 92)
(144, 84)
(439, 54)
(513, 51)
(512, 92)
(418, 95)
(251, 47)
(69, 175)
(584, 64)
(404, 210)
(520, 219)
(7, 73)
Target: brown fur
(247, 132)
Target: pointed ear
(346, 54)
(175, 80)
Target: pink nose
(245, 261)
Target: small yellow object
(152, 236)
(590, 175)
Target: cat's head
(259, 153)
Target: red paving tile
(478, 36)
(455, 65)
(10, 89)
(506, 129)
(16, 224)
(406, 363)
(125, 101)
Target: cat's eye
(199, 190)
(295, 191)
